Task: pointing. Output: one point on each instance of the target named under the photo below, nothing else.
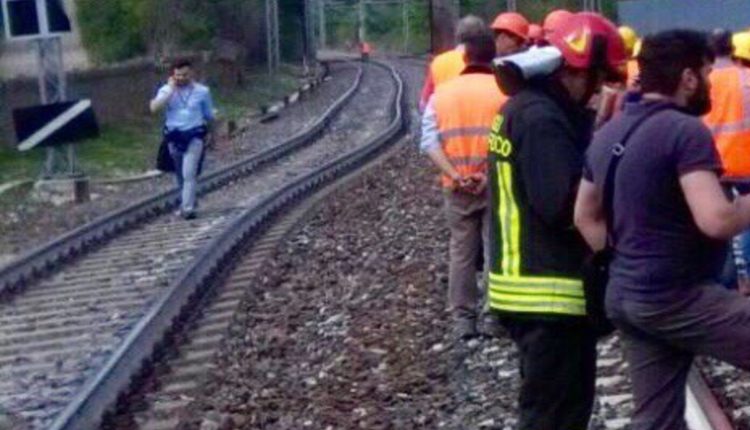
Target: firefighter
(536, 157)
(511, 33)
(455, 129)
(450, 64)
(729, 122)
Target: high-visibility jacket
(633, 72)
(536, 155)
(443, 68)
(465, 108)
(729, 119)
(447, 66)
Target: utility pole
(272, 35)
(362, 18)
(309, 36)
(405, 12)
(512, 6)
(322, 23)
(443, 18)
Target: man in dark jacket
(536, 157)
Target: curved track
(77, 326)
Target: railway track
(71, 340)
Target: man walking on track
(667, 220)
(189, 114)
(450, 64)
(536, 157)
(455, 128)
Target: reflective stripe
(734, 127)
(463, 132)
(467, 161)
(744, 123)
(509, 219)
(534, 286)
(539, 307)
(536, 294)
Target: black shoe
(186, 215)
(465, 328)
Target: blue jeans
(186, 172)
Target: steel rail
(703, 410)
(102, 391)
(45, 257)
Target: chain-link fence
(403, 26)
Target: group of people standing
(584, 160)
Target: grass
(130, 148)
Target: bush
(112, 30)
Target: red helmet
(513, 23)
(589, 41)
(554, 19)
(536, 32)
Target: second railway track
(61, 334)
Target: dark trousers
(558, 374)
(662, 337)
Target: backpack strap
(618, 150)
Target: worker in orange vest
(450, 64)
(455, 129)
(729, 122)
(365, 50)
(729, 119)
(511, 33)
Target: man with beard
(651, 193)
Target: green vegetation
(118, 151)
(130, 148)
(385, 23)
(115, 30)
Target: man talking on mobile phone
(189, 114)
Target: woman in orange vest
(455, 130)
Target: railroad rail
(51, 255)
(101, 393)
(236, 228)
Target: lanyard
(184, 99)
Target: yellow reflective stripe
(546, 280)
(515, 223)
(527, 290)
(509, 219)
(535, 300)
(539, 308)
(536, 294)
(502, 219)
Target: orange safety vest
(729, 119)
(447, 66)
(465, 108)
(633, 72)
